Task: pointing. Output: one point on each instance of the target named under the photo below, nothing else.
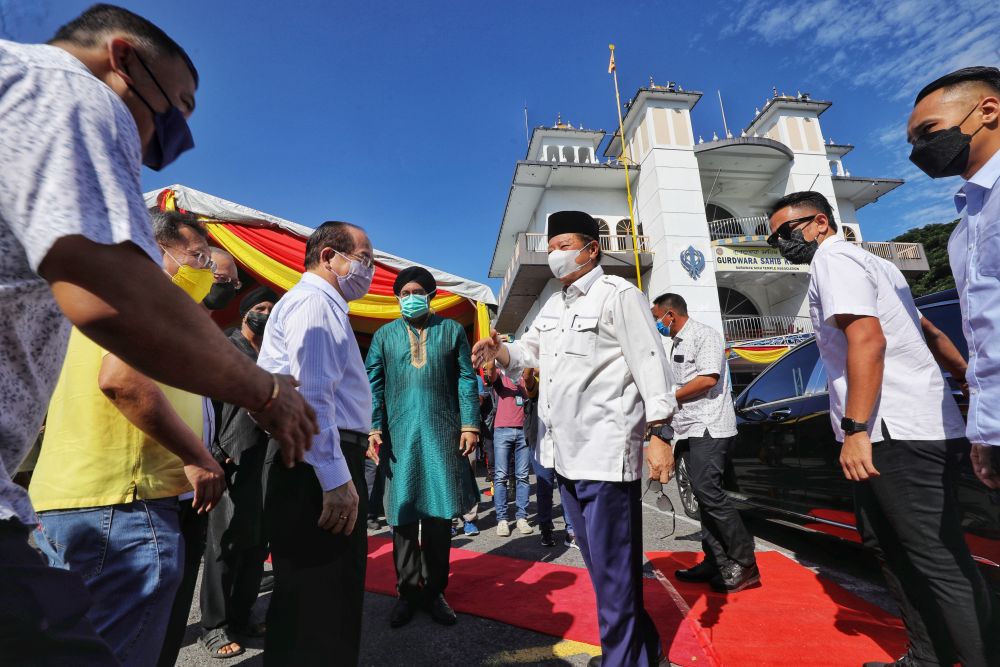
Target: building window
(734, 304)
(602, 227)
(850, 234)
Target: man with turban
(605, 387)
(235, 547)
(426, 407)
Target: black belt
(353, 438)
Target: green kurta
(423, 396)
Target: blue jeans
(504, 440)
(130, 558)
(545, 482)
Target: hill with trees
(935, 240)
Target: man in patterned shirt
(78, 117)
(707, 420)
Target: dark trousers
(193, 531)
(319, 578)
(43, 610)
(235, 549)
(724, 537)
(909, 517)
(422, 565)
(607, 518)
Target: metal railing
(764, 326)
(893, 251)
(754, 225)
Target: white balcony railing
(754, 225)
(764, 326)
(894, 251)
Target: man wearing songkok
(604, 381)
(424, 397)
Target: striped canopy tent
(271, 252)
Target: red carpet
(796, 617)
(552, 599)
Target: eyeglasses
(196, 259)
(784, 232)
(663, 503)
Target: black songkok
(572, 222)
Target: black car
(786, 461)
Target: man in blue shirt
(955, 130)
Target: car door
(766, 458)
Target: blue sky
(406, 117)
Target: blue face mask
(171, 137)
(414, 306)
(663, 329)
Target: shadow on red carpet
(552, 599)
(795, 617)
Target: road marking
(527, 656)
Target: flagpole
(628, 184)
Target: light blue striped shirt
(309, 336)
(974, 252)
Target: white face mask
(563, 262)
(358, 279)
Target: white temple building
(704, 200)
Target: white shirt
(69, 165)
(603, 375)
(309, 336)
(974, 252)
(698, 349)
(915, 402)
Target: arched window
(850, 234)
(735, 304)
(715, 212)
(623, 234)
(602, 227)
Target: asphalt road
(478, 641)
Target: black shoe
(904, 661)
(547, 540)
(374, 523)
(733, 577)
(402, 613)
(267, 583)
(441, 611)
(702, 572)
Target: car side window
(789, 377)
(948, 318)
(817, 383)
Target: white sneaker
(503, 529)
(524, 527)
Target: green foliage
(935, 240)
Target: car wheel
(688, 501)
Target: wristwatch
(663, 431)
(851, 426)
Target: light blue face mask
(662, 328)
(414, 306)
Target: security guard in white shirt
(604, 379)
(902, 432)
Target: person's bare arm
(945, 353)
(143, 403)
(865, 364)
(123, 301)
(696, 387)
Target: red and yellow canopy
(273, 254)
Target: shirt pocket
(581, 339)
(988, 255)
(547, 341)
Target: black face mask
(796, 249)
(944, 152)
(256, 321)
(219, 296)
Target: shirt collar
(829, 243)
(312, 279)
(986, 178)
(583, 284)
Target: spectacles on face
(784, 231)
(195, 259)
(663, 503)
